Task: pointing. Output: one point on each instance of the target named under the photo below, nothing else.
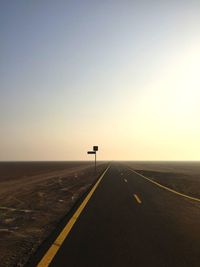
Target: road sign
(95, 148)
(91, 152)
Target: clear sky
(124, 75)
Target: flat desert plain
(34, 197)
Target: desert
(34, 197)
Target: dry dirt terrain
(34, 197)
(183, 177)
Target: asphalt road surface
(129, 221)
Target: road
(129, 221)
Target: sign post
(95, 149)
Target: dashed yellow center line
(51, 252)
(137, 199)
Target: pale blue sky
(120, 74)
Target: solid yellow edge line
(51, 252)
(138, 199)
(166, 188)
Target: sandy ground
(183, 177)
(33, 199)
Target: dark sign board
(95, 148)
(91, 152)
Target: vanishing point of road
(126, 220)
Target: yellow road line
(165, 187)
(137, 199)
(51, 252)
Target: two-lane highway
(128, 221)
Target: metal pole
(95, 162)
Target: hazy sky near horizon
(124, 75)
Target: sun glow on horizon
(123, 75)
